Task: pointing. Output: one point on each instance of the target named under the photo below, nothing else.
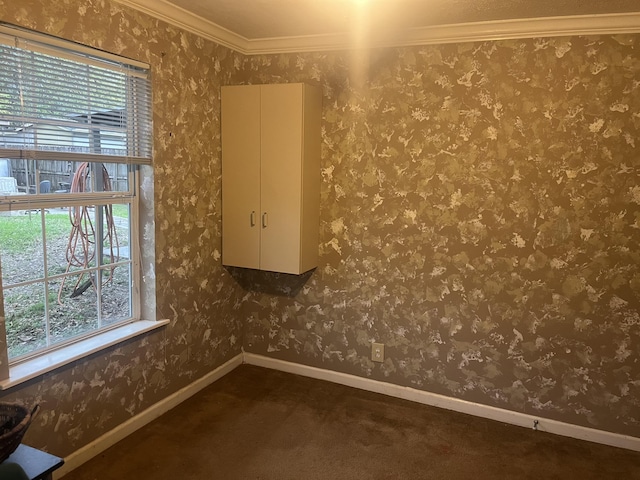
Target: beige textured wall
(480, 216)
(90, 397)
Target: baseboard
(449, 403)
(110, 438)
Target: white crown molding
(190, 22)
(459, 33)
(616, 23)
(608, 24)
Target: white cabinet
(271, 176)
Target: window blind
(64, 101)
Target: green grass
(21, 249)
(20, 233)
(26, 307)
(25, 311)
(121, 211)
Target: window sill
(47, 362)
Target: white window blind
(63, 101)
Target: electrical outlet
(377, 352)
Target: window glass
(66, 269)
(75, 125)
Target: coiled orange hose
(83, 234)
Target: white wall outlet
(377, 352)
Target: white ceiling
(259, 26)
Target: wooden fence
(60, 174)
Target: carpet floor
(260, 424)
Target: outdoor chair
(8, 186)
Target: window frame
(25, 367)
(43, 201)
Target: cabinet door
(241, 176)
(281, 177)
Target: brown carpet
(262, 424)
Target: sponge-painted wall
(481, 217)
(480, 214)
(90, 397)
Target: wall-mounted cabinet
(271, 176)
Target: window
(75, 131)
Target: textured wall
(86, 399)
(480, 215)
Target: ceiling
(260, 26)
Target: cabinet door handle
(253, 218)
(264, 220)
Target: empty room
(278, 239)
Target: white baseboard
(449, 403)
(110, 438)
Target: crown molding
(603, 24)
(190, 22)
(610, 24)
